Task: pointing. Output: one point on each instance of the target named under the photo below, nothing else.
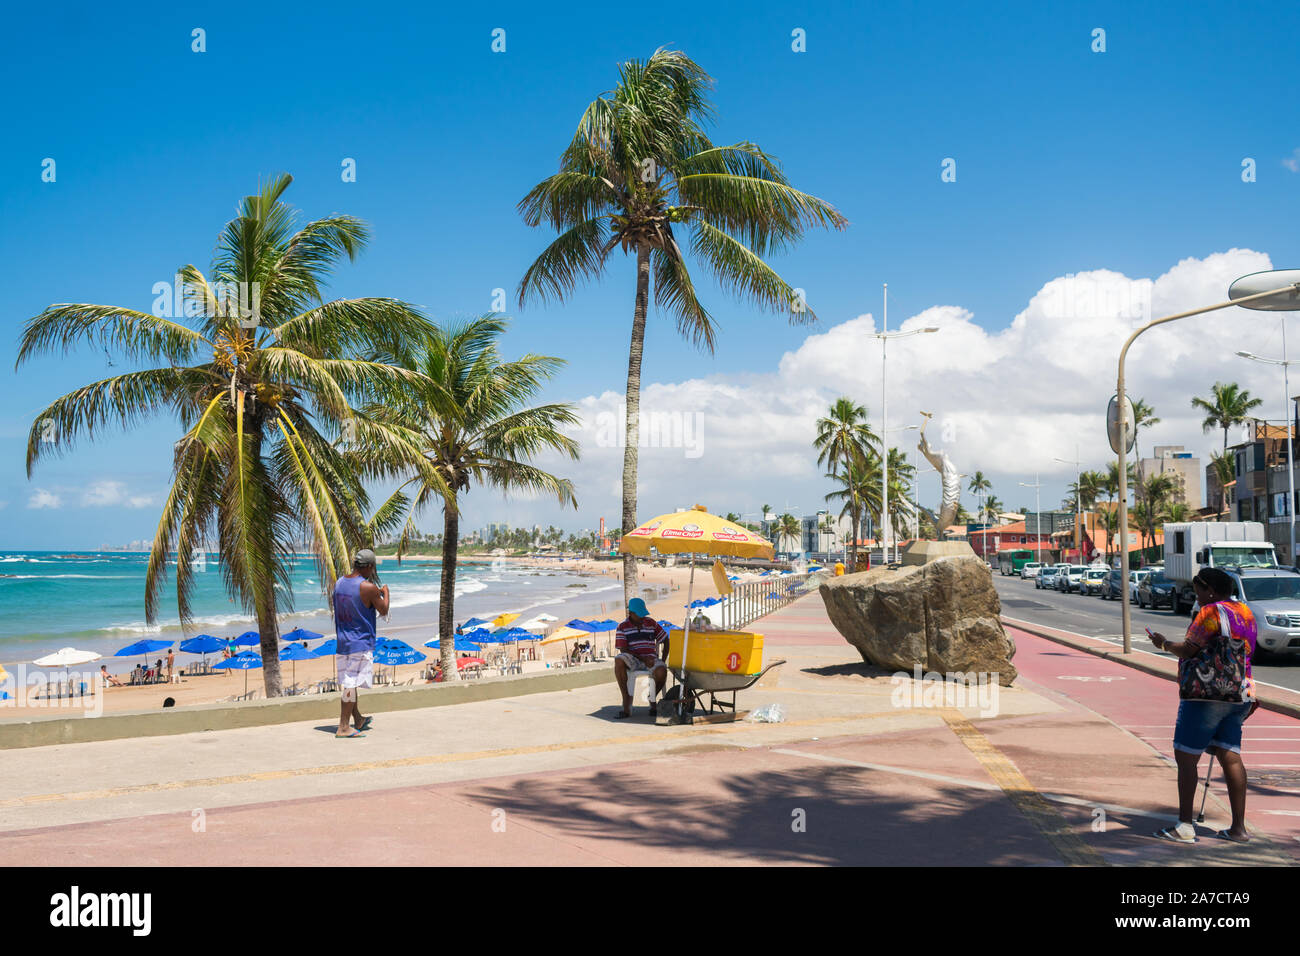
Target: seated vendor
(637, 641)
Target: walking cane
(1200, 817)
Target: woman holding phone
(1216, 694)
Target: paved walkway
(851, 777)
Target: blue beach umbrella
(204, 644)
(393, 655)
(476, 622)
(301, 634)
(143, 648)
(247, 661)
(461, 643)
(605, 625)
(294, 653)
(248, 639)
(581, 625)
(328, 647)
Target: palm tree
(788, 527)
(1229, 405)
(844, 437)
(639, 170)
(901, 473)
(466, 417)
(261, 386)
(979, 486)
(1225, 470)
(993, 507)
(1144, 416)
(860, 492)
(1156, 490)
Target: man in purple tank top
(357, 599)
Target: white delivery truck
(1192, 545)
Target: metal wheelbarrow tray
(692, 686)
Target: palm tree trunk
(268, 629)
(634, 413)
(447, 594)
(269, 638)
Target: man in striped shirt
(637, 641)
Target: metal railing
(752, 599)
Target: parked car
(1156, 589)
(1094, 580)
(1273, 596)
(1072, 577)
(1134, 579)
(1046, 578)
(1114, 587)
(1031, 569)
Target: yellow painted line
(1045, 818)
(425, 760)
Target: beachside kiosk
(705, 662)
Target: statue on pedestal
(950, 478)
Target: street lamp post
(1078, 500)
(1286, 413)
(885, 335)
(1281, 292)
(1038, 518)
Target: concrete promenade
(1072, 769)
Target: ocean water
(94, 601)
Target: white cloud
(1013, 399)
(44, 499)
(107, 494)
(1292, 162)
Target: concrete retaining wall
(43, 731)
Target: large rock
(943, 616)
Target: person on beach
(109, 679)
(1216, 694)
(171, 662)
(356, 601)
(637, 640)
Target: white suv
(1031, 569)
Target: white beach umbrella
(539, 623)
(66, 657)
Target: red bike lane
(1146, 706)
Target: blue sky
(1067, 160)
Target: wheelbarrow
(720, 663)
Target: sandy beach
(665, 596)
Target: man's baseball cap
(637, 607)
(364, 556)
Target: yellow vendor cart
(717, 662)
(704, 662)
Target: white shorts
(356, 670)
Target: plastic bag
(768, 714)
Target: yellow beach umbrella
(694, 532)
(565, 634)
(501, 620)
